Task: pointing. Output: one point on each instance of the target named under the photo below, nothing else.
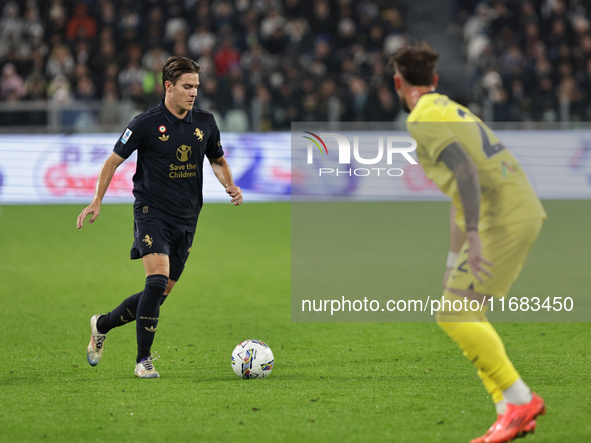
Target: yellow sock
(482, 345)
(491, 387)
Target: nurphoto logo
(378, 151)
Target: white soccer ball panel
(252, 359)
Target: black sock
(148, 310)
(122, 314)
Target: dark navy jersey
(168, 182)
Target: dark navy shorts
(157, 237)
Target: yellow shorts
(507, 248)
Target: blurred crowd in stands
(294, 60)
(270, 62)
(531, 59)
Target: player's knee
(446, 322)
(156, 285)
(452, 309)
(169, 287)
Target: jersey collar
(420, 103)
(426, 94)
(172, 118)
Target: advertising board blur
(39, 169)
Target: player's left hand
(236, 193)
(475, 257)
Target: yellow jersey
(506, 194)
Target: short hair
(416, 63)
(176, 66)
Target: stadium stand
(529, 60)
(82, 65)
(266, 62)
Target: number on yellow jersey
(488, 148)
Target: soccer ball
(252, 359)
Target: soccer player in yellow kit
(495, 219)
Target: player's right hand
(236, 193)
(475, 257)
(93, 209)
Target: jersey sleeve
(129, 140)
(214, 145)
(433, 132)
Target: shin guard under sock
(148, 310)
(122, 314)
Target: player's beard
(404, 104)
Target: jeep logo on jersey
(183, 153)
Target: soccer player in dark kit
(172, 140)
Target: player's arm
(222, 171)
(457, 237)
(103, 180)
(466, 175)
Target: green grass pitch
(332, 382)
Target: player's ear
(397, 82)
(435, 79)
